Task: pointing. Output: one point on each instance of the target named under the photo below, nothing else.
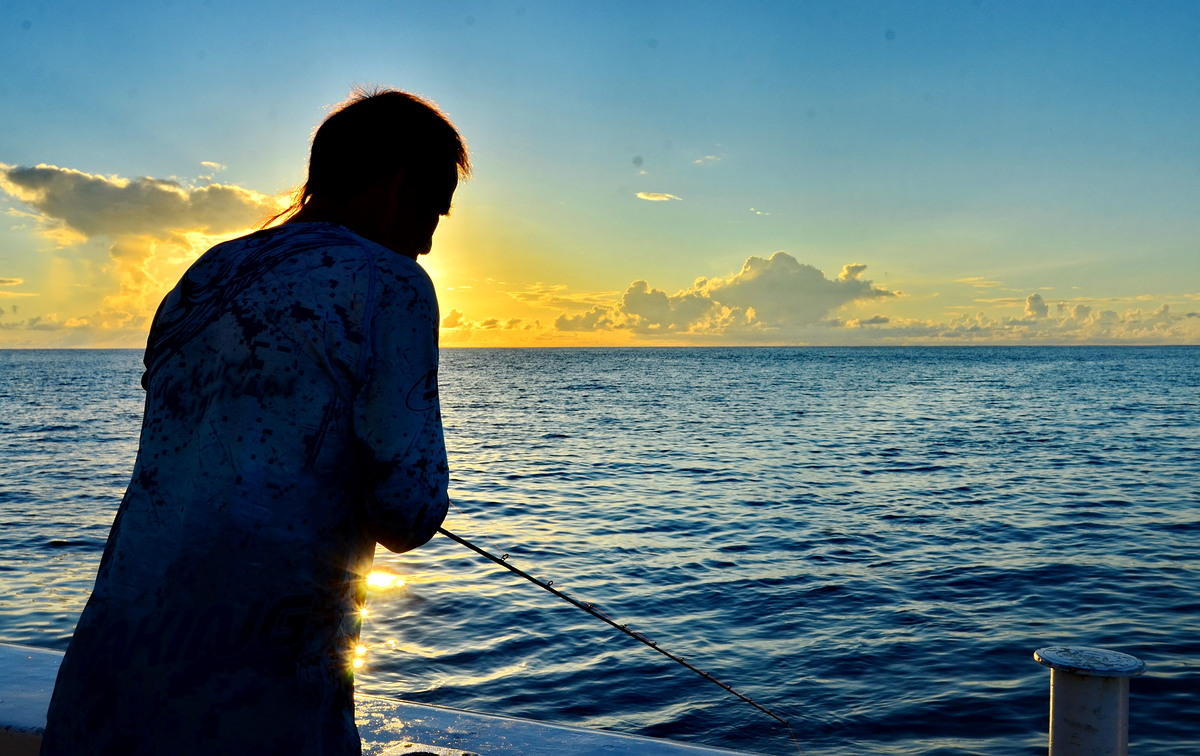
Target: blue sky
(677, 172)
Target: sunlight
(358, 658)
(382, 579)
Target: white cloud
(780, 300)
(657, 196)
(767, 296)
(851, 271)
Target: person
(291, 423)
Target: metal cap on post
(1089, 699)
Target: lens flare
(381, 579)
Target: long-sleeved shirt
(291, 423)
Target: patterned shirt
(291, 423)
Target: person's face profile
(421, 205)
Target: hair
(372, 134)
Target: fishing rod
(592, 610)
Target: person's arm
(397, 415)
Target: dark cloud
(873, 320)
(1035, 306)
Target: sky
(645, 173)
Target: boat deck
(389, 727)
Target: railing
(1089, 700)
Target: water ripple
(870, 541)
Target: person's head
(385, 163)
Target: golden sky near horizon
(112, 247)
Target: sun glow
(358, 658)
(381, 579)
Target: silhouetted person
(291, 423)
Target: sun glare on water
(380, 579)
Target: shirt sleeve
(397, 414)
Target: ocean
(871, 542)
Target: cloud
(873, 320)
(112, 206)
(1069, 323)
(978, 282)
(766, 296)
(461, 326)
(707, 160)
(13, 294)
(155, 228)
(779, 300)
(453, 320)
(599, 318)
(657, 196)
(996, 300)
(555, 297)
(851, 271)
(50, 322)
(1078, 312)
(1035, 306)
(212, 166)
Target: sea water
(869, 542)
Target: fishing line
(592, 610)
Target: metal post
(1089, 699)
